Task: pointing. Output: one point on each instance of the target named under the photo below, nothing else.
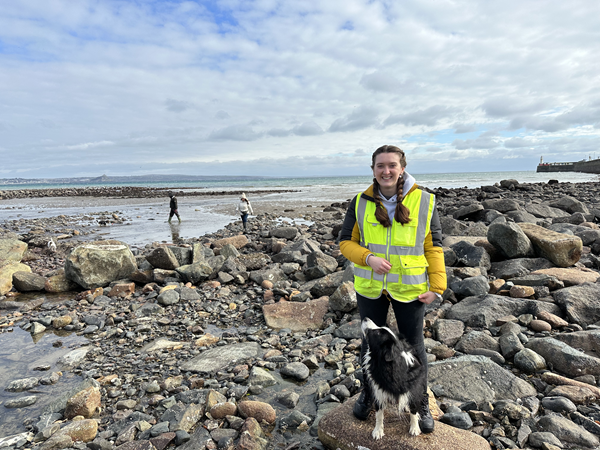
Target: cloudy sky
(295, 87)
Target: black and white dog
(394, 373)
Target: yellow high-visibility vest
(401, 245)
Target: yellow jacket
(352, 250)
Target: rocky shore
(251, 341)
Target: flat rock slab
(296, 316)
(476, 378)
(339, 429)
(72, 358)
(570, 277)
(562, 249)
(219, 357)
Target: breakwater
(592, 166)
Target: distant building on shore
(589, 166)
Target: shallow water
(145, 220)
(20, 354)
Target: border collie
(395, 374)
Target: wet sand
(145, 219)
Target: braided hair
(401, 214)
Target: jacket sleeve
(435, 256)
(350, 238)
(250, 208)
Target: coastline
(148, 334)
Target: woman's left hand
(427, 297)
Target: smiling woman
(393, 235)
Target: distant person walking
(173, 206)
(244, 207)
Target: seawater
(431, 180)
(146, 217)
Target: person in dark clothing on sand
(173, 206)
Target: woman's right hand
(379, 265)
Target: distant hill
(152, 178)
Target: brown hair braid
(401, 214)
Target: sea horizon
(430, 180)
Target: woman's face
(387, 170)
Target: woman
(393, 236)
(244, 207)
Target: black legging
(409, 317)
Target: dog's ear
(416, 363)
(389, 354)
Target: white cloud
(308, 129)
(381, 81)
(114, 82)
(177, 105)
(429, 117)
(235, 133)
(361, 117)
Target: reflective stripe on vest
(408, 276)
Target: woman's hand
(379, 265)
(427, 297)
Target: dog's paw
(378, 433)
(414, 430)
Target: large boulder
(12, 249)
(565, 358)
(318, 265)
(303, 245)
(326, 285)
(570, 277)
(27, 281)
(510, 240)
(483, 312)
(163, 258)
(237, 241)
(569, 204)
(84, 403)
(99, 263)
(587, 341)
(339, 429)
(295, 315)
(288, 233)
(545, 211)
(211, 360)
(470, 255)
(344, 298)
(272, 275)
(467, 212)
(581, 303)
(476, 378)
(563, 250)
(59, 283)
(195, 273)
(519, 267)
(503, 205)
(567, 431)
(471, 286)
(453, 227)
(7, 269)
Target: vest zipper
(387, 253)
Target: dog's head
(388, 346)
